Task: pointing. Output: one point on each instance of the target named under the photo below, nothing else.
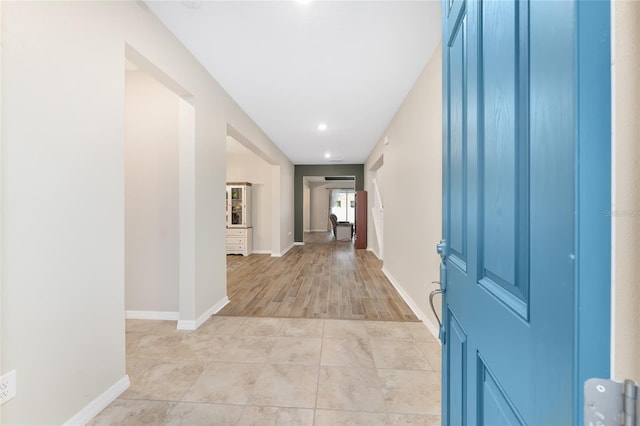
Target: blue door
(526, 239)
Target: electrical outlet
(7, 386)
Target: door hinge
(611, 403)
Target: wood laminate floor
(323, 278)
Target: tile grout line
(315, 405)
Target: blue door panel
(494, 408)
(456, 358)
(498, 53)
(457, 147)
(504, 153)
(511, 213)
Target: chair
(334, 224)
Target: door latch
(441, 248)
(611, 403)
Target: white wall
(282, 171)
(245, 166)
(151, 195)
(319, 207)
(63, 186)
(286, 209)
(412, 178)
(375, 171)
(626, 191)
(306, 208)
(319, 203)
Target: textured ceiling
(291, 65)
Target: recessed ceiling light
(322, 127)
(327, 155)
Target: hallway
(246, 366)
(268, 371)
(323, 278)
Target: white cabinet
(239, 228)
(239, 241)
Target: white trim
(261, 251)
(193, 325)
(375, 253)
(414, 307)
(282, 253)
(320, 230)
(92, 409)
(152, 315)
(298, 243)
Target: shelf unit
(238, 213)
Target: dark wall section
(356, 170)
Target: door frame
(593, 192)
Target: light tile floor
(279, 371)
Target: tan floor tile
(260, 327)
(141, 345)
(220, 326)
(250, 349)
(420, 332)
(302, 327)
(414, 392)
(433, 353)
(153, 327)
(197, 414)
(296, 350)
(399, 355)
(346, 353)
(388, 330)
(197, 346)
(139, 326)
(344, 329)
(133, 412)
(167, 327)
(224, 383)
(355, 418)
(276, 416)
(284, 385)
(153, 382)
(349, 388)
(414, 420)
(137, 366)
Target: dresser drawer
(236, 232)
(236, 240)
(235, 247)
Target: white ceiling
(292, 65)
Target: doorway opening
(159, 127)
(324, 196)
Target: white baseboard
(261, 251)
(307, 230)
(320, 230)
(374, 252)
(282, 253)
(152, 315)
(433, 329)
(298, 243)
(193, 325)
(85, 415)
